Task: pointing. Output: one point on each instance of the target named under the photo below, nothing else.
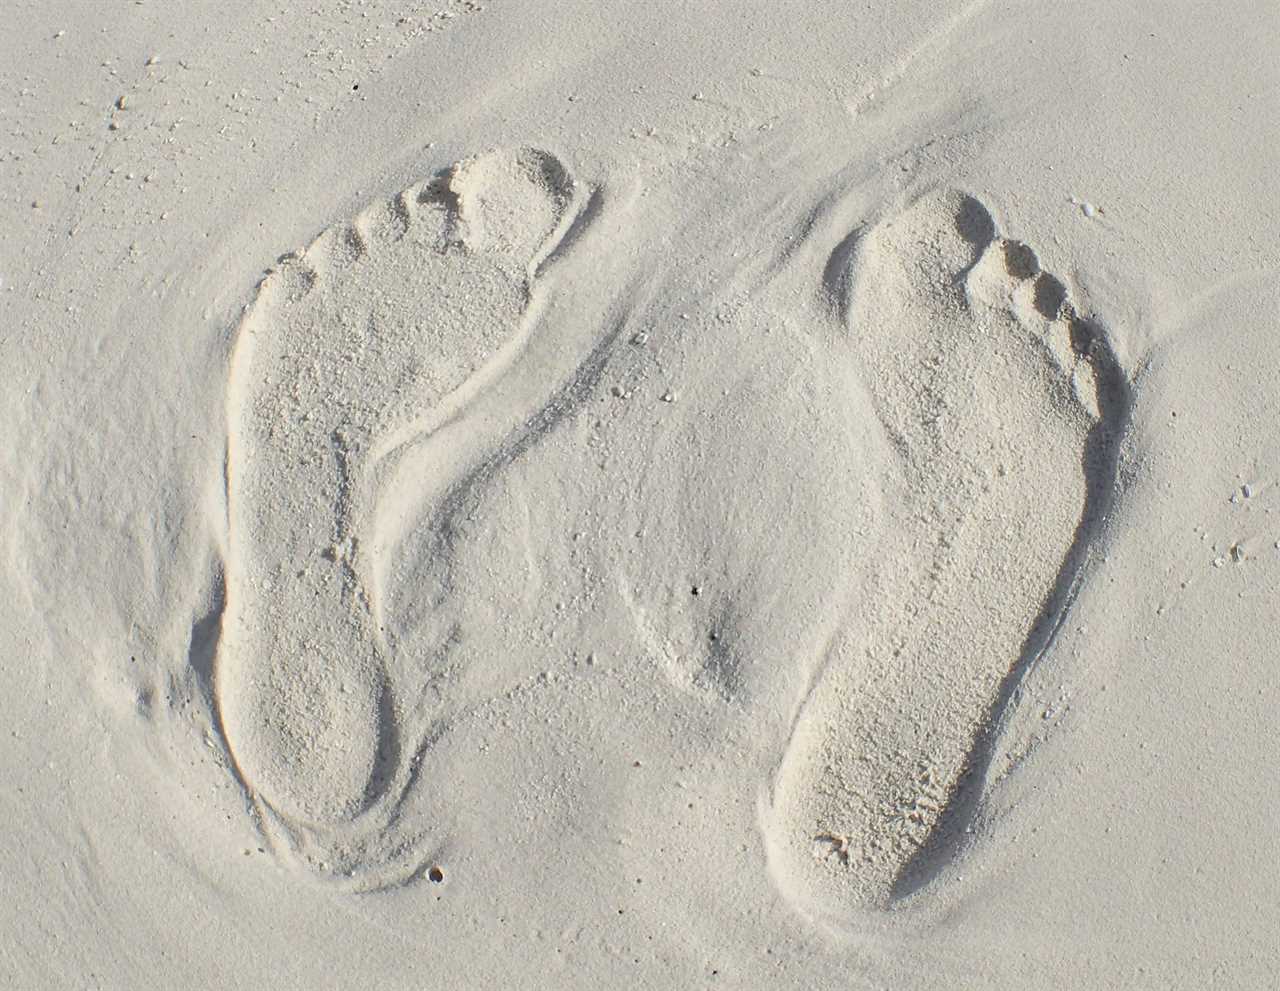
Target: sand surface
(509, 494)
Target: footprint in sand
(1001, 404)
(364, 395)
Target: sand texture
(579, 495)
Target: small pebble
(122, 102)
(668, 397)
(1088, 209)
(1247, 490)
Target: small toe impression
(1049, 296)
(1020, 260)
(510, 202)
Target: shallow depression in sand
(1001, 406)
(360, 405)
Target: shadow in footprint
(1049, 297)
(975, 224)
(1020, 260)
(1100, 463)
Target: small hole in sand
(435, 875)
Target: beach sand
(582, 495)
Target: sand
(650, 495)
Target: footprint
(368, 382)
(1001, 404)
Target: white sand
(730, 495)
